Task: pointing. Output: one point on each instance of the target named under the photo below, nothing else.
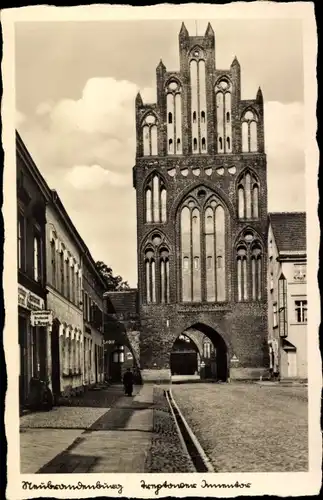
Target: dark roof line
(289, 229)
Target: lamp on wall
(118, 355)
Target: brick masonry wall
(243, 326)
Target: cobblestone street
(248, 427)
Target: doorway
(292, 364)
(184, 357)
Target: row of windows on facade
(203, 262)
(156, 198)
(300, 312)
(71, 355)
(223, 90)
(199, 145)
(37, 259)
(64, 276)
(92, 312)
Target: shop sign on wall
(29, 300)
(41, 318)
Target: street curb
(201, 454)
(178, 429)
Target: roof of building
(289, 230)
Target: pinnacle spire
(235, 62)
(183, 32)
(161, 66)
(259, 95)
(209, 30)
(139, 100)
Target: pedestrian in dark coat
(128, 382)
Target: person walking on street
(128, 382)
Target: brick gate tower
(201, 185)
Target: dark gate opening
(215, 358)
(209, 361)
(183, 358)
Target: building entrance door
(292, 363)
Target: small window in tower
(194, 116)
(170, 118)
(203, 117)
(195, 144)
(178, 144)
(228, 142)
(185, 263)
(228, 117)
(220, 143)
(219, 261)
(209, 262)
(196, 263)
(170, 145)
(203, 144)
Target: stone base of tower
(249, 373)
(156, 376)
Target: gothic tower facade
(201, 186)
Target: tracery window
(174, 117)
(223, 91)
(157, 274)
(249, 258)
(198, 101)
(248, 196)
(149, 132)
(202, 248)
(155, 200)
(249, 132)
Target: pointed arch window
(174, 114)
(198, 100)
(150, 272)
(150, 135)
(156, 276)
(223, 90)
(202, 230)
(249, 129)
(164, 275)
(155, 200)
(249, 268)
(248, 196)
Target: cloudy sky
(75, 89)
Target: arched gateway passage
(200, 350)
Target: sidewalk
(90, 439)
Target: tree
(114, 283)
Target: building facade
(64, 284)
(201, 188)
(287, 300)
(93, 316)
(31, 257)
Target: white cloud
(44, 108)
(93, 177)
(106, 106)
